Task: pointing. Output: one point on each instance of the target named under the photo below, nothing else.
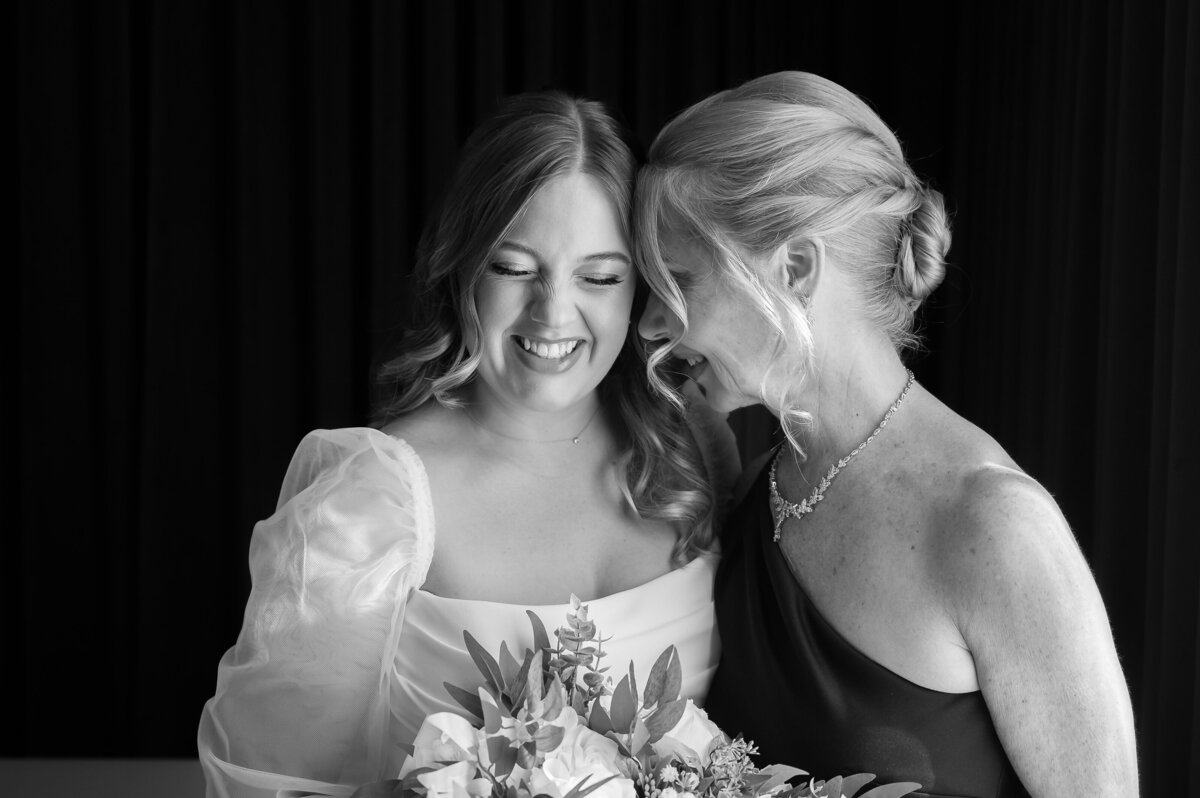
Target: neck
(519, 424)
(847, 393)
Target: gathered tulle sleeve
(302, 699)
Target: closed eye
(605, 280)
(509, 270)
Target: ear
(802, 261)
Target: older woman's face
(555, 299)
(728, 343)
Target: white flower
(454, 781)
(690, 781)
(692, 739)
(668, 792)
(443, 737)
(582, 753)
(669, 774)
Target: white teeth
(556, 351)
(694, 359)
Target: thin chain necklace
(782, 509)
(574, 439)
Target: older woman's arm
(1029, 610)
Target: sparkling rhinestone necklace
(782, 509)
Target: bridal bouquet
(552, 726)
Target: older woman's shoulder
(999, 531)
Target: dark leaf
(623, 709)
(579, 791)
(486, 664)
(541, 640)
(503, 756)
(599, 721)
(509, 667)
(527, 755)
(468, 701)
(491, 716)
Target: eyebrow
(595, 257)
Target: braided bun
(921, 253)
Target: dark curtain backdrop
(219, 204)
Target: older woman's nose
(653, 324)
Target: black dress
(788, 681)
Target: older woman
(519, 420)
(895, 595)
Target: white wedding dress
(341, 654)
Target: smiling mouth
(554, 351)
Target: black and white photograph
(609, 398)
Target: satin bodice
(675, 608)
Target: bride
(520, 459)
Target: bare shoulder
(991, 525)
(430, 429)
(1005, 552)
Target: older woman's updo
(795, 156)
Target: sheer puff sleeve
(302, 700)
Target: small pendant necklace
(782, 509)
(574, 439)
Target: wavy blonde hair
(530, 140)
(786, 157)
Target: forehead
(571, 214)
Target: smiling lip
(548, 356)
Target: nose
(653, 324)
(551, 308)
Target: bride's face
(555, 298)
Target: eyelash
(507, 271)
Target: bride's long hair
(531, 139)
